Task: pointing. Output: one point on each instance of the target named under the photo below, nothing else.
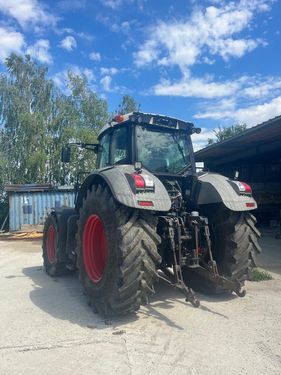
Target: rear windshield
(162, 150)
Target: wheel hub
(94, 248)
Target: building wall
(33, 208)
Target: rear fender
(215, 188)
(115, 179)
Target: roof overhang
(258, 140)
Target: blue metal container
(32, 208)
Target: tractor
(146, 214)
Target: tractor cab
(162, 144)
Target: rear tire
(117, 253)
(235, 240)
(51, 248)
(235, 246)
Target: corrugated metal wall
(33, 208)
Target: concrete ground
(47, 327)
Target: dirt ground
(47, 327)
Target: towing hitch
(209, 271)
(179, 284)
(222, 281)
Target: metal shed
(256, 154)
(29, 205)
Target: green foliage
(258, 275)
(25, 99)
(36, 120)
(80, 117)
(227, 132)
(127, 105)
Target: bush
(259, 275)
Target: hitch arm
(180, 285)
(227, 284)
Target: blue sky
(210, 62)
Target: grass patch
(258, 275)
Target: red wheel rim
(94, 248)
(51, 244)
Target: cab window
(103, 154)
(119, 146)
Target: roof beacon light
(119, 118)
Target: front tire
(117, 253)
(50, 248)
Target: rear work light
(243, 187)
(140, 182)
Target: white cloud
(27, 13)
(251, 115)
(212, 32)
(200, 140)
(108, 86)
(113, 4)
(124, 27)
(86, 36)
(40, 51)
(68, 43)
(109, 71)
(195, 87)
(106, 80)
(89, 74)
(10, 41)
(206, 35)
(106, 83)
(149, 53)
(263, 88)
(95, 56)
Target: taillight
(140, 182)
(243, 187)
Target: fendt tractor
(145, 214)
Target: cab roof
(148, 119)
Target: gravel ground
(47, 327)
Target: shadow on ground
(270, 257)
(63, 298)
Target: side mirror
(196, 130)
(65, 154)
(93, 147)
